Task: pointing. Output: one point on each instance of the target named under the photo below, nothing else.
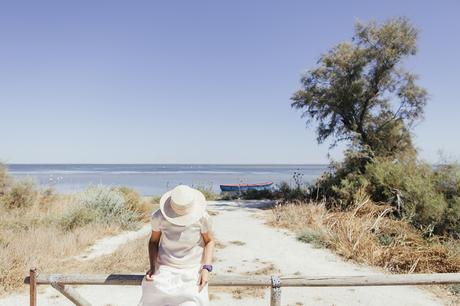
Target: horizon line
(169, 163)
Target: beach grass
(42, 229)
(366, 235)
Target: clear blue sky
(194, 81)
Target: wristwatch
(207, 267)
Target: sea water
(154, 179)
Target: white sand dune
(250, 246)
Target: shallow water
(154, 179)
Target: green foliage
(409, 185)
(426, 197)
(19, 194)
(343, 184)
(290, 193)
(359, 93)
(109, 206)
(447, 178)
(258, 195)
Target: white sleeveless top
(180, 246)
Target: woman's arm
(153, 253)
(207, 258)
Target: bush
(5, 179)
(411, 187)
(426, 197)
(78, 216)
(208, 193)
(20, 194)
(109, 206)
(287, 193)
(258, 195)
(344, 183)
(134, 202)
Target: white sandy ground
(250, 245)
(109, 245)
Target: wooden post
(275, 292)
(33, 286)
(71, 294)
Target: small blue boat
(246, 187)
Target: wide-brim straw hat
(183, 205)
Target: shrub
(343, 183)
(134, 202)
(426, 197)
(451, 219)
(109, 206)
(20, 194)
(78, 216)
(411, 187)
(208, 193)
(5, 179)
(258, 194)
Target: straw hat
(183, 205)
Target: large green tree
(360, 93)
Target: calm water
(154, 179)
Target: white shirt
(180, 246)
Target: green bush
(426, 197)
(343, 183)
(258, 195)
(288, 193)
(411, 187)
(109, 206)
(451, 219)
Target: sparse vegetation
(365, 234)
(208, 192)
(42, 229)
(135, 203)
(19, 194)
(314, 237)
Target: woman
(180, 251)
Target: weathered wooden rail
(61, 281)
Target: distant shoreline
(154, 179)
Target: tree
(360, 93)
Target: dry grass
(35, 236)
(131, 257)
(32, 237)
(367, 235)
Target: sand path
(248, 246)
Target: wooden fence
(62, 282)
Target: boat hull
(245, 187)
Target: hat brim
(197, 211)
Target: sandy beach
(247, 246)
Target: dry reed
(366, 234)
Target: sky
(196, 81)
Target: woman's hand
(148, 275)
(203, 281)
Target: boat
(245, 187)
